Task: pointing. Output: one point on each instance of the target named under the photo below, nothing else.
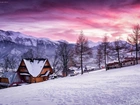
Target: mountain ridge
(16, 45)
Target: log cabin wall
(47, 65)
(46, 68)
(4, 80)
(39, 79)
(23, 69)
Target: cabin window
(22, 66)
(46, 66)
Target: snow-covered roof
(73, 68)
(113, 61)
(12, 77)
(34, 66)
(8, 75)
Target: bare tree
(9, 63)
(64, 52)
(38, 50)
(105, 46)
(55, 61)
(135, 39)
(99, 55)
(13, 62)
(82, 50)
(6, 64)
(119, 48)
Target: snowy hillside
(113, 87)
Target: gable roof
(34, 66)
(12, 78)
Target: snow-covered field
(113, 87)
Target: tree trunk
(105, 63)
(119, 58)
(82, 64)
(82, 59)
(136, 53)
(105, 56)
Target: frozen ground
(113, 87)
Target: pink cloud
(65, 19)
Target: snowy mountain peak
(23, 39)
(92, 44)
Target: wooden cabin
(9, 79)
(34, 70)
(128, 62)
(113, 65)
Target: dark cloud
(46, 5)
(86, 3)
(136, 2)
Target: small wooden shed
(34, 70)
(113, 65)
(128, 62)
(9, 79)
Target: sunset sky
(64, 19)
